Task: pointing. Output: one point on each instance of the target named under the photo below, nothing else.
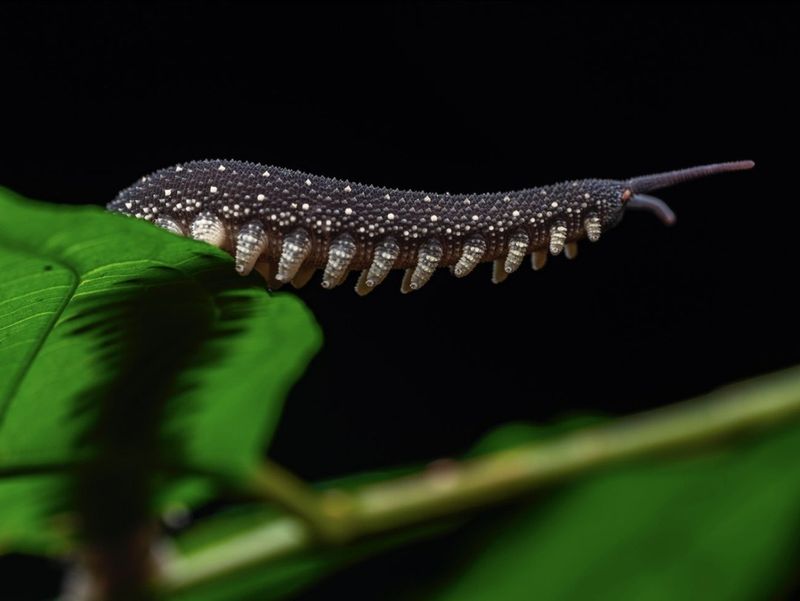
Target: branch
(273, 483)
(378, 508)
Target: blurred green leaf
(721, 525)
(68, 274)
(516, 433)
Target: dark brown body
(293, 222)
(286, 192)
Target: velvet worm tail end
(287, 224)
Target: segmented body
(284, 200)
(287, 223)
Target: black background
(459, 97)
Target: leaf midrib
(75, 281)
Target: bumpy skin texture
(284, 200)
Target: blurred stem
(273, 483)
(456, 486)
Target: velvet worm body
(287, 224)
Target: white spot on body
(221, 168)
(347, 189)
(348, 211)
(260, 197)
(308, 182)
(213, 189)
(167, 192)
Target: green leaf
(718, 526)
(79, 285)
